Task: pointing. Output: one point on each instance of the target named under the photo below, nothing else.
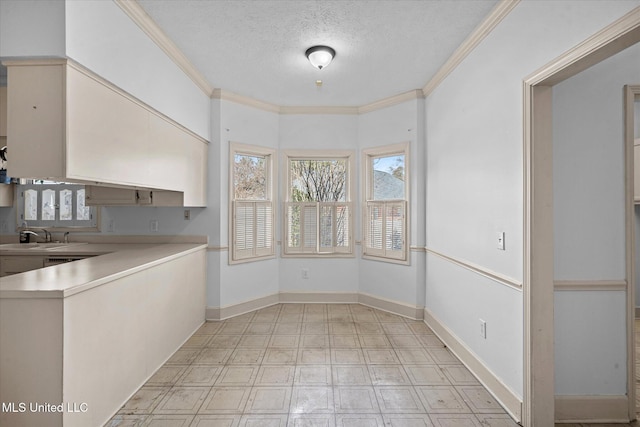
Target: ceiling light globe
(320, 56)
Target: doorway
(538, 287)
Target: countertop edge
(21, 286)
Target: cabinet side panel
(35, 121)
(3, 111)
(31, 359)
(197, 196)
(119, 333)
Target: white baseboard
(592, 409)
(395, 307)
(222, 313)
(507, 398)
(319, 297)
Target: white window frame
(385, 206)
(56, 225)
(314, 247)
(265, 207)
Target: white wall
(474, 169)
(590, 343)
(239, 123)
(32, 28)
(589, 223)
(320, 132)
(399, 123)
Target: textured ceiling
(256, 48)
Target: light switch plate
(501, 240)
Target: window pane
(66, 205)
(318, 180)
(388, 177)
(30, 205)
(48, 205)
(83, 212)
(250, 177)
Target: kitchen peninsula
(85, 335)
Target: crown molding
(244, 100)
(318, 110)
(291, 110)
(499, 12)
(391, 101)
(144, 21)
(151, 29)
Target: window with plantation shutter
(386, 202)
(318, 212)
(252, 208)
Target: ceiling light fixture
(320, 56)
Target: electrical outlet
(153, 225)
(187, 214)
(305, 273)
(501, 240)
(111, 226)
(483, 329)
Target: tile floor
(313, 365)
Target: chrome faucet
(66, 237)
(47, 235)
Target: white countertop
(115, 260)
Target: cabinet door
(19, 264)
(105, 196)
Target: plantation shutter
(374, 239)
(385, 227)
(317, 228)
(252, 229)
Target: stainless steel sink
(39, 246)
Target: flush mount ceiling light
(320, 56)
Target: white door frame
(539, 399)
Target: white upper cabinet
(68, 124)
